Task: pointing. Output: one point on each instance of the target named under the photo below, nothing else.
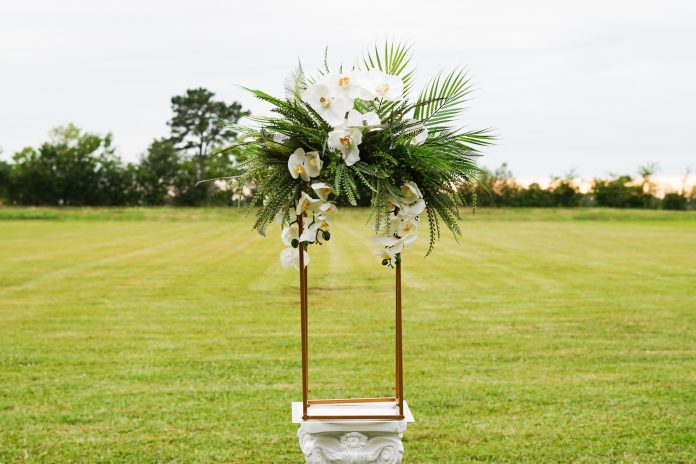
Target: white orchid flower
(323, 190)
(388, 241)
(313, 163)
(310, 233)
(315, 231)
(324, 224)
(398, 244)
(385, 253)
(290, 233)
(306, 203)
(296, 165)
(304, 165)
(377, 84)
(332, 108)
(413, 209)
(410, 192)
(357, 119)
(325, 210)
(411, 202)
(408, 240)
(346, 141)
(403, 226)
(290, 257)
(394, 245)
(346, 85)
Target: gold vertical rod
(399, 329)
(303, 321)
(306, 340)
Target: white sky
(598, 86)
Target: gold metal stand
(398, 400)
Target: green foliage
(443, 166)
(674, 201)
(499, 188)
(5, 177)
(619, 192)
(195, 127)
(158, 170)
(187, 188)
(564, 193)
(196, 133)
(74, 168)
(440, 102)
(501, 191)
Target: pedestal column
(351, 441)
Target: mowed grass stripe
(173, 336)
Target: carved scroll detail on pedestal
(351, 447)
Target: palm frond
(440, 102)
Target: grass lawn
(166, 335)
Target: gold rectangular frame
(398, 399)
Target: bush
(674, 201)
(564, 193)
(499, 188)
(619, 192)
(5, 176)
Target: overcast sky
(596, 86)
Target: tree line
(77, 168)
(499, 188)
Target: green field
(173, 336)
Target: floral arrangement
(362, 126)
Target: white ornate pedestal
(351, 441)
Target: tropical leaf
(440, 102)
